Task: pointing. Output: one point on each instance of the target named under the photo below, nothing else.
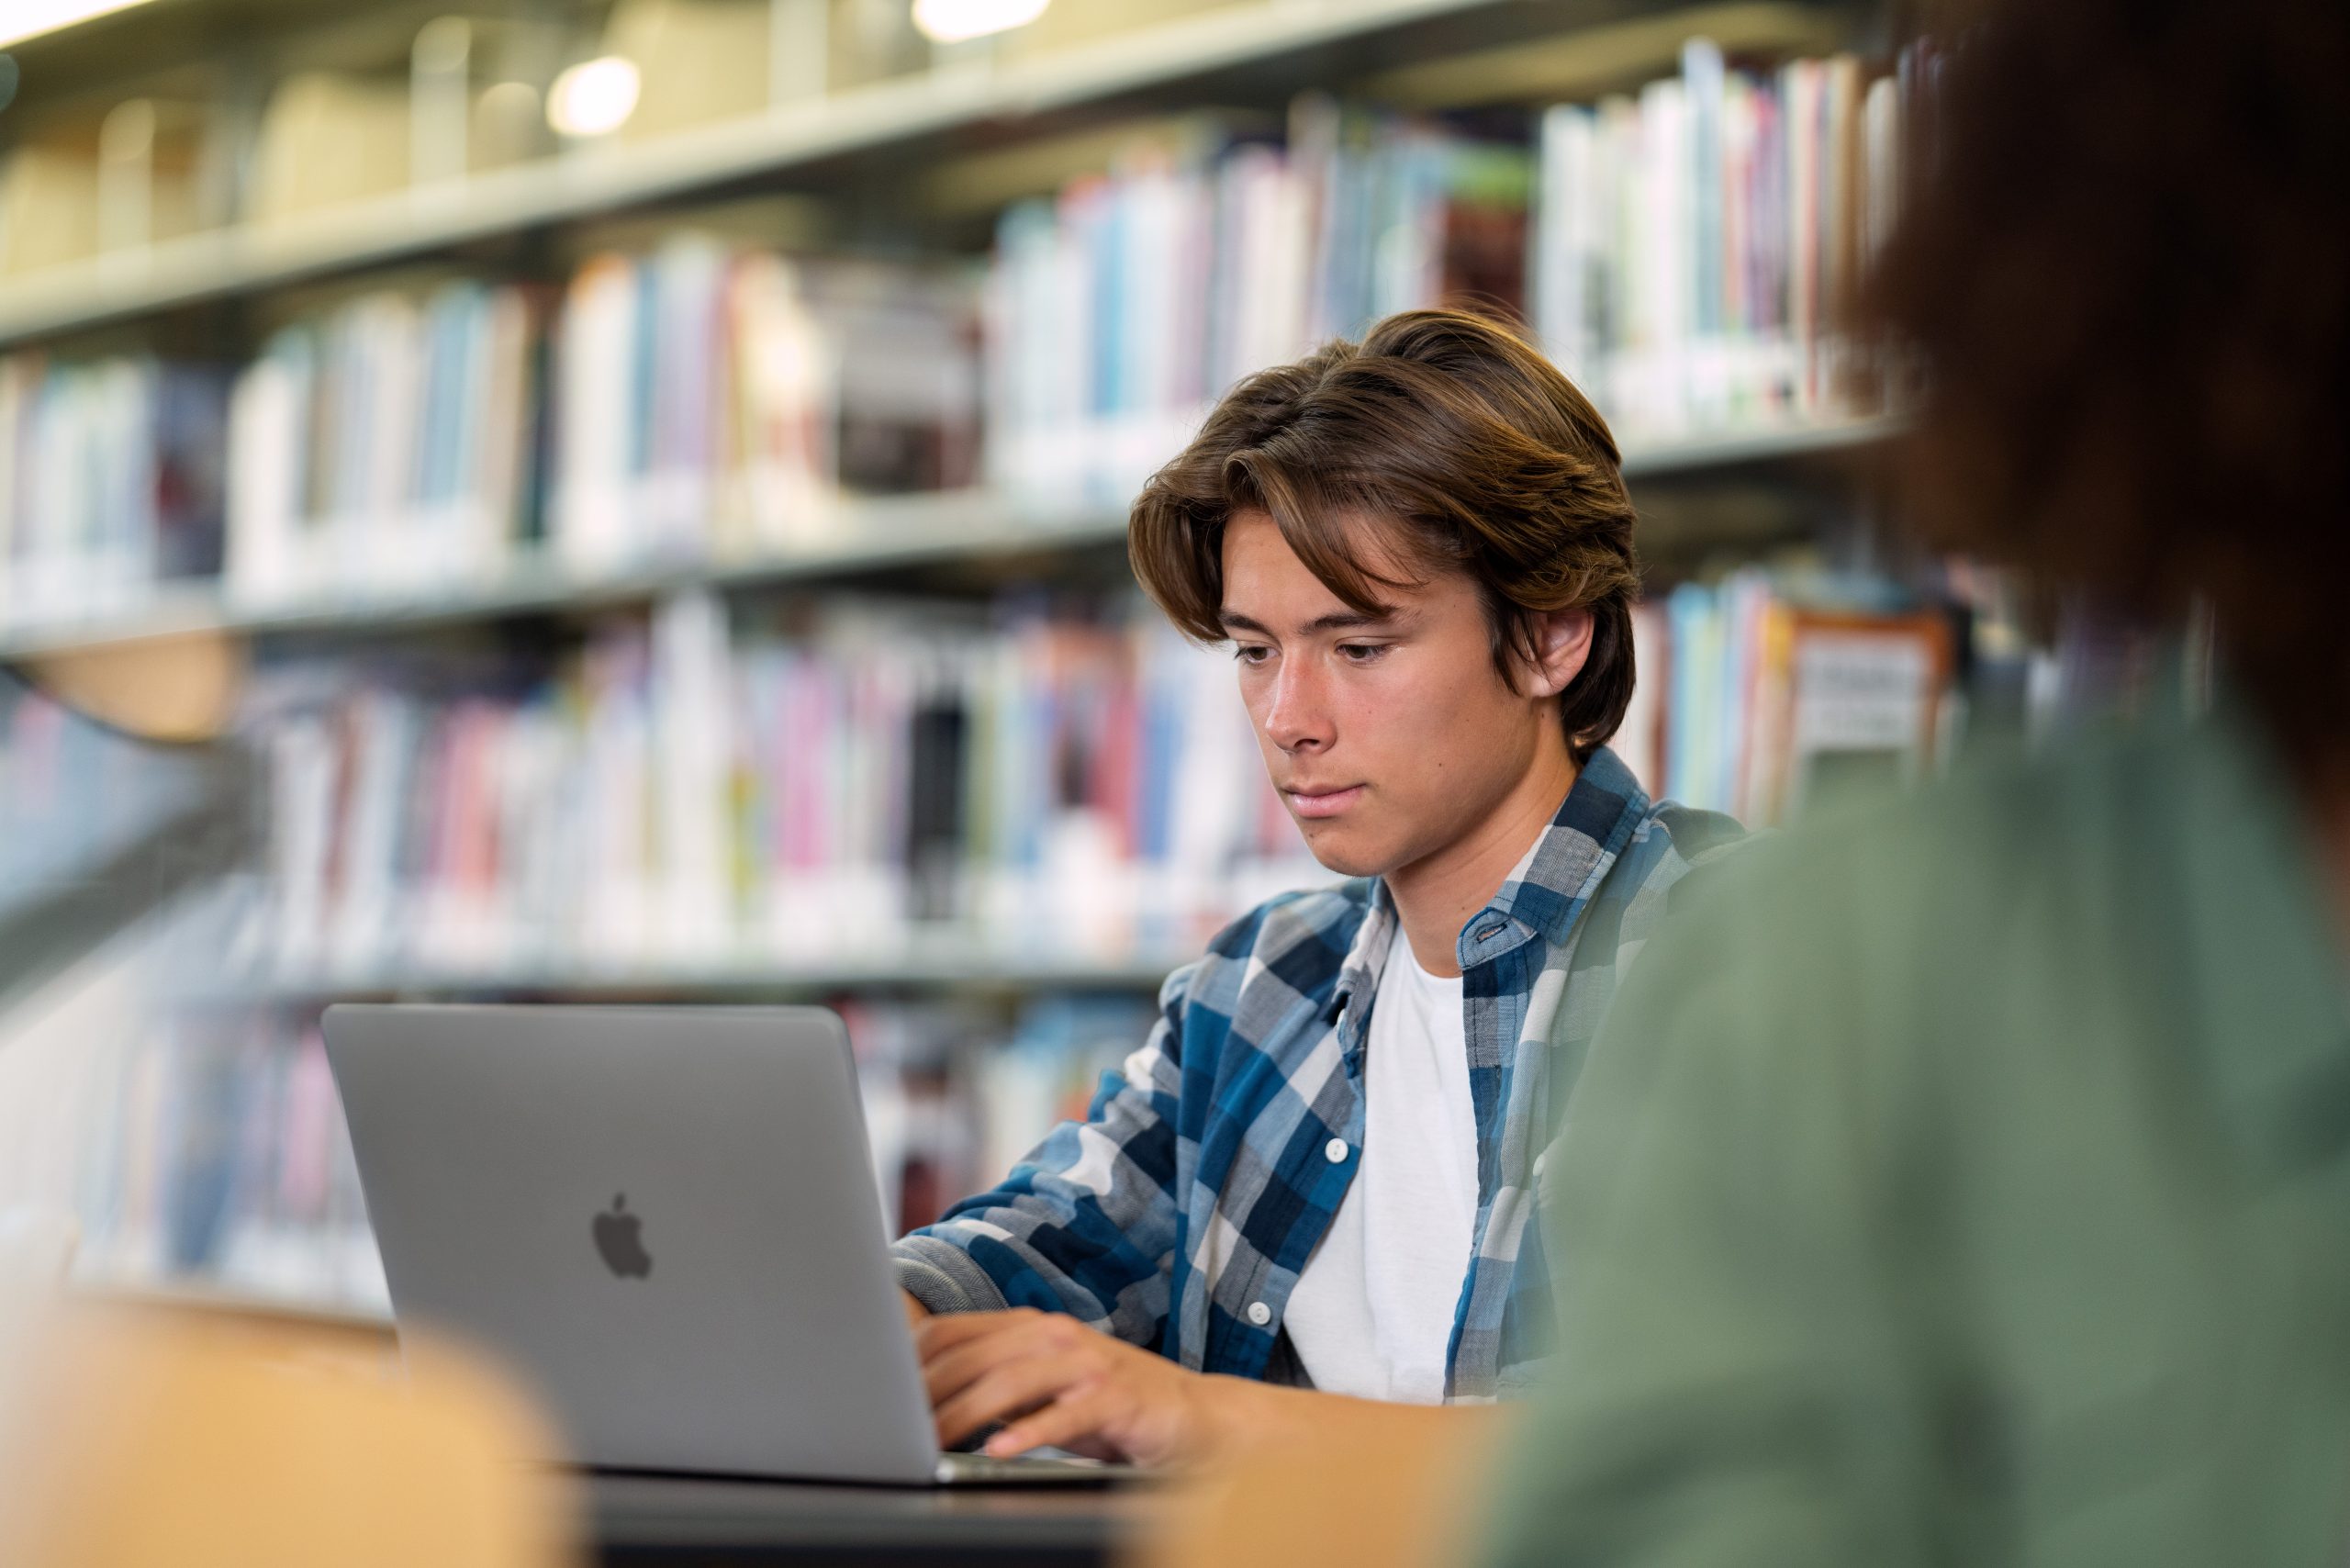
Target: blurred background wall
(623, 500)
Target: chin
(1341, 853)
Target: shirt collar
(1543, 898)
(1589, 830)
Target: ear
(1561, 644)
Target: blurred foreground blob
(132, 1443)
(1378, 1486)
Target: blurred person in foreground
(1307, 1197)
(1967, 1180)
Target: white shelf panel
(1771, 444)
(862, 536)
(190, 1295)
(244, 258)
(972, 970)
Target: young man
(1318, 1171)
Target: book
(698, 61)
(380, 451)
(326, 139)
(711, 400)
(836, 782)
(226, 1165)
(1120, 310)
(154, 180)
(111, 483)
(1777, 689)
(48, 204)
(1698, 247)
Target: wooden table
(645, 1520)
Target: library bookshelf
(968, 1044)
(852, 536)
(918, 967)
(1295, 41)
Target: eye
(1362, 653)
(1252, 653)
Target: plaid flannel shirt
(1180, 1212)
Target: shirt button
(1335, 1150)
(1259, 1314)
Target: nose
(1295, 717)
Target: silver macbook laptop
(665, 1220)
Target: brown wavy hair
(1447, 427)
(2127, 270)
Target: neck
(1436, 895)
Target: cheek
(1443, 730)
(1406, 721)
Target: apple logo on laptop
(617, 1239)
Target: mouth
(1321, 802)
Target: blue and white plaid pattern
(1180, 1212)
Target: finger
(950, 1336)
(937, 1334)
(946, 1375)
(1008, 1391)
(1075, 1421)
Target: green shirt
(1968, 1182)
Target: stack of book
(702, 402)
(1698, 247)
(224, 1163)
(111, 483)
(1689, 258)
(382, 450)
(1120, 310)
(688, 797)
(711, 401)
(1759, 693)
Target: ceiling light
(952, 21)
(594, 98)
(22, 19)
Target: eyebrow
(1336, 621)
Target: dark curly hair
(1448, 426)
(2128, 269)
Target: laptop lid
(663, 1219)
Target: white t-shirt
(1371, 1315)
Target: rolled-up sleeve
(1086, 1223)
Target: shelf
(147, 1294)
(862, 536)
(600, 181)
(1771, 443)
(936, 969)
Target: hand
(915, 1311)
(1058, 1382)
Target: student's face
(1389, 738)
